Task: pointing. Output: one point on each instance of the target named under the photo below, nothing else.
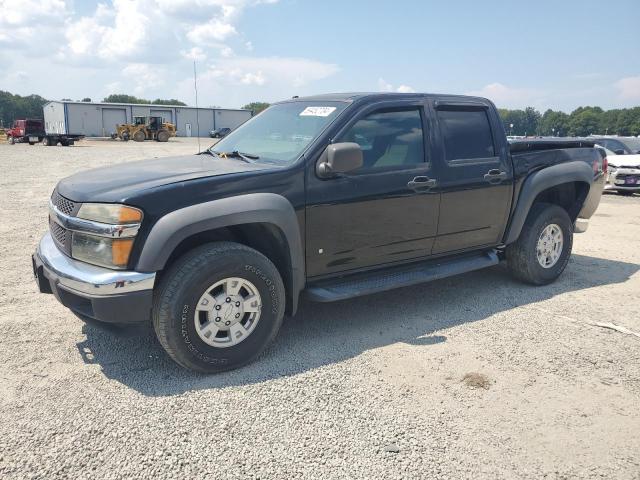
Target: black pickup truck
(331, 197)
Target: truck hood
(118, 182)
(624, 160)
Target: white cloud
(238, 79)
(295, 72)
(194, 53)
(505, 96)
(211, 33)
(385, 86)
(144, 77)
(146, 49)
(31, 12)
(629, 88)
(405, 89)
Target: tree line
(581, 122)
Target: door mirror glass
(619, 151)
(339, 158)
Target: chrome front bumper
(95, 292)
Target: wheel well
(266, 238)
(570, 196)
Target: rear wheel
(64, 143)
(218, 307)
(139, 136)
(543, 248)
(12, 141)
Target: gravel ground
(366, 388)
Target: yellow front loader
(145, 128)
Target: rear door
(476, 181)
(384, 212)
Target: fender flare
(180, 224)
(537, 182)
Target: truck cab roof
(351, 97)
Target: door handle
(422, 183)
(495, 176)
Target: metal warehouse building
(100, 119)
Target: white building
(100, 119)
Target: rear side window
(466, 134)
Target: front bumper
(616, 180)
(99, 293)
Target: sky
(546, 54)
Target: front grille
(59, 233)
(65, 205)
(61, 236)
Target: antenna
(195, 87)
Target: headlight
(103, 234)
(102, 251)
(109, 213)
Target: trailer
(31, 131)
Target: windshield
(280, 133)
(632, 144)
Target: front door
(476, 180)
(383, 212)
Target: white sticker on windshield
(317, 111)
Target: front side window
(391, 138)
(466, 134)
(279, 134)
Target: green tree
(256, 107)
(86, 99)
(554, 123)
(172, 101)
(15, 107)
(123, 98)
(585, 121)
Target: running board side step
(373, 282)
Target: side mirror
(339, 158)
(620, 151)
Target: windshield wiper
(247, 157)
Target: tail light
(605, 165)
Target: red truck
(31, 130)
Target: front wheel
(218, 307)
(543, 248)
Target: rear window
(466, 134)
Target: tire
(64, 143)
(32, 143)
(163, 136)
(45, 141)
(71, 143)
(125, 136)
(139, 136)
(176, 320)
(522, 255)
(12, 141)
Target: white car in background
(623, 174)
